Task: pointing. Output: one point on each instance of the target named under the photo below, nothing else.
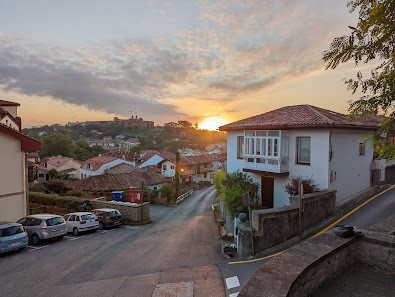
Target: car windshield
(88, 217)
(112, 213)
(54, 221)
(10, 231)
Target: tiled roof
(121, 168)
(8, 103)
(121, 154)
(98, 161)
(28, 144)
(202, 159)
(300, 116)
(172, 158)
(57, 161)
(114, 182)
(68, 170)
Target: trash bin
(117, 195)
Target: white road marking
(232, 282)
(234, 294)
(132, 227)
(33, 248)
(105, 231)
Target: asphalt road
(181, 245)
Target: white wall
(352, 170)
(9, 122)
(86, 173)
(13, 110)
(168, 172)
(233, 163)
(12, 179)
(154, 160)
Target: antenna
(131, 113)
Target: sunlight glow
(212, 123)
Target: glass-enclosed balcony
(266, 150)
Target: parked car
(12, 237)
(78, 222)
(108, 217)
(44, 226)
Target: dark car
(108, 217)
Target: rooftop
(98, 162)
(8, 103)
(300, 116)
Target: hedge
(69, 202)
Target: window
(72, 218)
(240, 147)
(303, 150)
(362, 149)
(205, 175)
(172, 167)
(164, 167)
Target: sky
(208, 62)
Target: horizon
(209, 63)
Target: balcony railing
(265, 163)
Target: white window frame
(299, 150)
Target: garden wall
(276, 225)
(133, 213)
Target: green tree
(84, 152)
(372, 39)
(58, 144)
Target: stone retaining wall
(276, 225)
(300, 270)
(131, 213)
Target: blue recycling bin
(117, 195)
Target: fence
(184, 196)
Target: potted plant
(228, 237)
(230, 249)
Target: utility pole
(177, 175)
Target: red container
(135, 195)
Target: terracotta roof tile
(58, 161)
(299, 116)
(121, 168)
(8, 103)
(98, 161)
(114, 182)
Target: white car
(77, 222)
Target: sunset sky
(202, 61)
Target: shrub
(55, 187)
(71, 203)
(309, 186)
(167, 190)
(37, 187)
(233, 198)
(77, 193)
(219, 177)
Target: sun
(212, 123)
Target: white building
(98, 165)
(14, 145)
(305, 141)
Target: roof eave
(284, 127)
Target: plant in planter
(228, 237)
(309, 186)
(230, 249)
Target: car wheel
(60, 237)
(94, 230)
(35, 239)
(75, 231)
(101, 226)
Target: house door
(267, 186)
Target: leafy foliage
(242, 181)
(57, 187)
(218, 179)
(233, 198)
(309, 185)
(38, 187)
(167, 190)
(71, 203)
(58, 144)
(372, 39)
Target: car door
(66, 219)
(70, 224)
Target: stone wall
(133, 213)
(300, 270)
(276, 225)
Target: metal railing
(184, 196)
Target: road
(181, 245)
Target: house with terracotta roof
(64, 165)
(120, 181)
(98, 165)
(203, 167)
(14, 145)
(167, 163)
(301, 140)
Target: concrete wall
(352, 170)
(276, 225)
(128, 212)
(13, 203)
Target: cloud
(238, 49)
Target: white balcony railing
(265, 163)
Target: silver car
(44, 226)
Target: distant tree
(52, 173)
(372, 39)
(58, 144)
(184, 124)
(84, 152)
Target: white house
(14, 145)
(305, 141)
(99, 164)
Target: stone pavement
(359, 280)
(174, 290)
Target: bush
(55, 187)
(219, 177)
(37, 187)
(233, 198)
(77, 193)
(71, 203)
(167, 190)
(309, 186)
